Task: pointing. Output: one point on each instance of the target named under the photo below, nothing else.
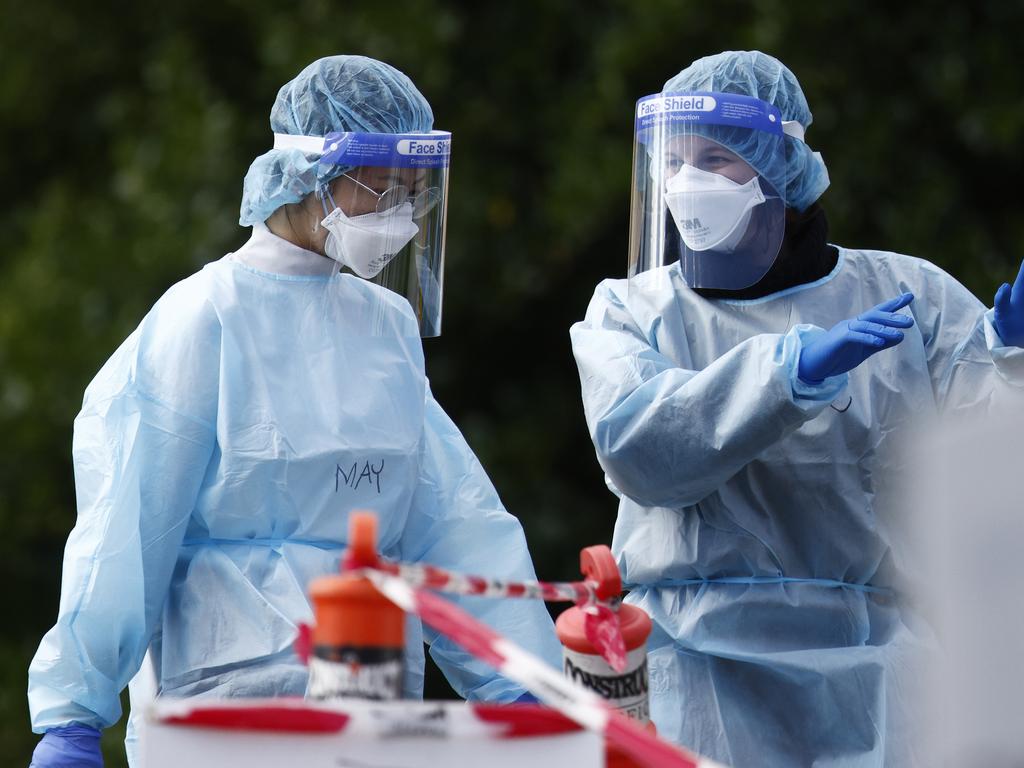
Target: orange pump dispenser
(358, 641)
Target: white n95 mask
(365, 244)
(711, 211)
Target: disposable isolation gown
(217, 457)
(759, 523)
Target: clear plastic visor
(384, 216)
(708, 190)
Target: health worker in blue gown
(221, 449)
(747, 388)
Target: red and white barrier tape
(600, 623)
(574, 701)
(432, 577)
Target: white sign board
(291, 733)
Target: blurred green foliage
(127, 129)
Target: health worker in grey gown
(220, 451)
(746, 389)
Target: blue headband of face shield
(752, 129)
(386, 150)
(346, 150)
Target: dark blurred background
(127, 129)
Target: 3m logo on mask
(690, 225)
(378, 263)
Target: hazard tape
(574, 701)
(600, 623)
(432, 577)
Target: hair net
(337, 93)
(752, 73)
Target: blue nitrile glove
(1009, 311)
(851, 342)
(70, 746)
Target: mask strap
(323, 191)
(794, 129)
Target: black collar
(805, 256)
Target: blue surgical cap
(337, 93)
(752, 73)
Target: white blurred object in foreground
(969, 513)
(274, 733)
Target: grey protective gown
(218, 455)
(760, 522)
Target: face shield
(709, 173)
(385, 215)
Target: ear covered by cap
(756, 74)
(336, 93)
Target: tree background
(127, 129)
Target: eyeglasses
(392, 197)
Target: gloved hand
(1009, 311)
(851, 342)
(70, 746)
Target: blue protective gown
(218, 455)
(759, 520)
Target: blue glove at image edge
(68, 746)
(1008, 311)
